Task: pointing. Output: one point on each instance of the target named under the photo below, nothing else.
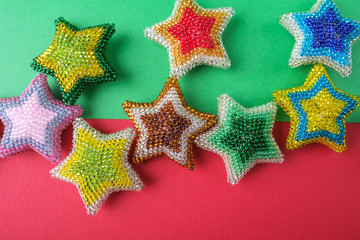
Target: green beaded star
(242, 137)
(76, 57)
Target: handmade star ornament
(35, 120)
(192, 36)
(98, 164)
(322, 35)
(242, 137)
(167, 126)
(76, 57)
(317, 111)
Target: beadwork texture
(98, 164)
(317, 111)
(167, 126)
(192, 36)
(77, 57)
(322, 35)
(242, 137)
(35, 120)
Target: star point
(242, 137)
(192, 36)
(76, 57)
(167, 126)
(98, 164)
(317, 111)
(322, 35)
(35, 121)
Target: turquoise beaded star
(242, 137)
(322, 35)
(76, 57)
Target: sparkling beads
(98, 164)
(322, 35)
(167, 126)
(317, 111)
(192, 36)
(242, 137)
(77, 57)
(35, 120)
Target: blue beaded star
(322, 35)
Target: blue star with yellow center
(317, 111)
(322, 35)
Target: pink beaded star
(35, 121)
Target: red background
(314, 194)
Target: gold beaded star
(192, 36)
(77, 57)
(167, 126)
(98, 164)
(317, 111)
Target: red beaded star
(192, 36)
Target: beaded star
(98, 164)
(192, 36)
(317, 111)
(76, 57)
(242, 137)
(35, 121)
(322, 35)
(167, 126)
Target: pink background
(314, 194)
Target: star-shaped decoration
(322, 35)
(35, 120)
(77, 57)
(317, 111)
(98, 164)
(167, 126)
(242, 137)
(192, 36)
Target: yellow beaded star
(76, 57)
(98, 164)
(317, 111)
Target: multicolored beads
(317, 111)
(242, 137)
(167, 126)
(35, 120)
(98, 165)
(77, 57)
(192, 36)
(322, 35)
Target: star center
(30, 120)
(193, 31)
(322, 112)
(166, 127)
(329, 31)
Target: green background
(258, 46)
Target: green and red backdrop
(313, 194)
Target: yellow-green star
(76, 57)
(98, 164)
(317, 111)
